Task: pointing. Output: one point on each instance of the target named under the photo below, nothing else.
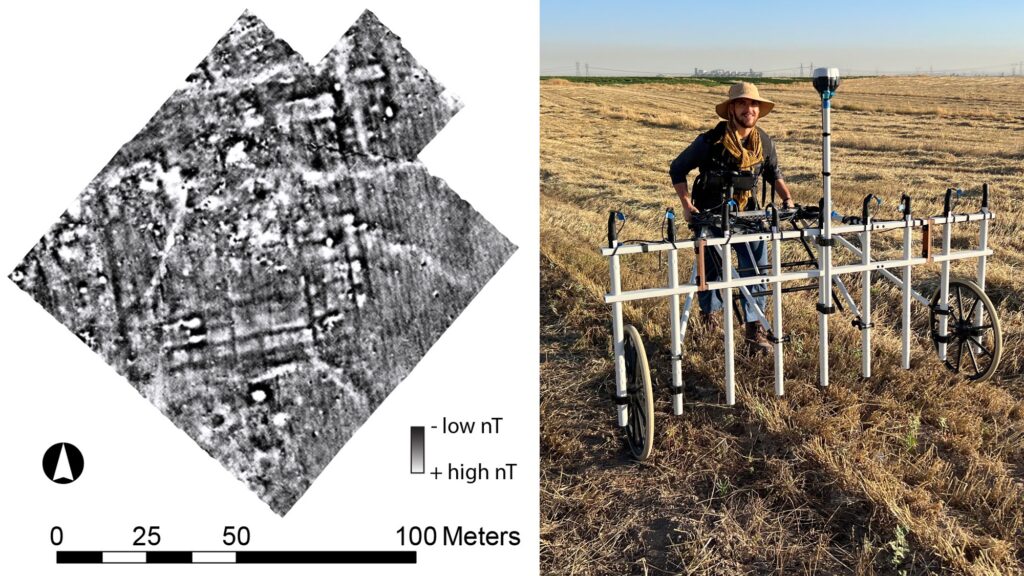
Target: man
(735, 145)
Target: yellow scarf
(747, 155)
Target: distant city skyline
(871, 37)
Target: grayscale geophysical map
(266, 260)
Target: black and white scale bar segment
(239, 557)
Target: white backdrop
(79, 79)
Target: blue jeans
(711, 300)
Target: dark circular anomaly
(75, 461)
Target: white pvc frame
(826, 236)
(731, 280)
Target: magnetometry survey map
(266, 260)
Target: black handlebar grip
(725, 214)
(671, 222)
(864, 210)
(946, 202)
(611, 229)
(984, 195)
(905, 200)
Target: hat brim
(766, 107)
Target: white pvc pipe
(730, 348)
(907, 245)
(825, 254)
(983, 241)
(789, 234)
(780, 388)
(846, 296)
(885, 273)
(865, 300)
(677, 361)
(944, 288)
(764, 281)
(618, 344)
(684, 319)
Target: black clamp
(621, 400)
(670, 224)
(858, 323)
(942, 339)
(865, 215)
(612, 233)
(771, 336)
(822, 241)
(905, 202)
(675, 389)
(939, 311)
(822, 309)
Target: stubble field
(906, 472)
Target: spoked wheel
(640, 427)
(976, 340)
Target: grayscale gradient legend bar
(417, 461)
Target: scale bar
(125, 558)
(76, 557)
(240, 557)
(213, 557)
(169, 558)
(327, 557)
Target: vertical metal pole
(907, 252)
(677, 345)
(777, 304)
(618, 343)
(684, 317)
(825, 255)
(865, 298)
(730, 348)
(726, 276)
(943, 303)
(983, 242)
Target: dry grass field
(908, 472)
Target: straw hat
(744, 90)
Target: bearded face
(745, 112)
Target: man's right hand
(688, 211)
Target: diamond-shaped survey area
(266, 260)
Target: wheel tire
(640, 427)
(977, 349)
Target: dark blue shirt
(696, 155)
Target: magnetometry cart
(963, 323)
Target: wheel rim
(975, 344)
(634, 429)
(638, 386)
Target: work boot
(710, 322)
(757, 339)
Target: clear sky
(860, 37)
